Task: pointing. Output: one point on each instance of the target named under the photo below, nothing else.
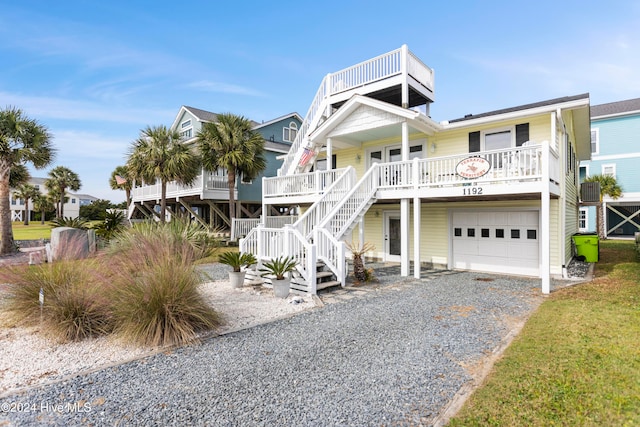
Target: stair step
(324, 285)
(321, 274)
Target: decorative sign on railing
(472, 167)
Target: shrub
(112, 225)
(202, 242)
(359, 271)
(155, 298)
(70, 222)
(73, 308)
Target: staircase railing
(329, 199)
(379, 68)
(340, 219)
(332, 252)
(269, 243)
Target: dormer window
(289, 134)
(186, 130)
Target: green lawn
(33, 231)
(576, 361)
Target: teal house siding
(273, 132)
(615, 130)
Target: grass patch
(33, 231)
(576, 361)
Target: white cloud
(71, 109)
(222, 87)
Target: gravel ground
(396, 355)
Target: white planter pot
(236, 278)
(281, 287)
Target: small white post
(416, 237)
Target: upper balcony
(488, 174)
(208, 185)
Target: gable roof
(292, 115)
(628, 106)
(523, 107)
(202, 115)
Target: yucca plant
(113, 224)
(359, 271)
(236, 260)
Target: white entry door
(497, 241)
(391, 236)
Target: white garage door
(497, 241)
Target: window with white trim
(609, 169)
(186, 134)
(584, 172)
(185, 124)
(595, 141)
(583, 219)
(289, 133)
(497, 139)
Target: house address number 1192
(471, 191)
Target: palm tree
(26, 192)
(43, 204)
(116, 182)
(60, 179)
(608, 187)
(22, 140)
(158, 154)
(232, 144)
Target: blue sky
(96, 73)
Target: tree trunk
(358, 268)
(600, 220)
(163, 200)
(26, 212)
(42, 217)
(127, 196)
(62, 205)
(6, 232)
(231, 180)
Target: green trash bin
(587, 245)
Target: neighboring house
(71, 207)
(207, 199)
(493, 192)
(615, 150)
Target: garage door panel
(503, 242)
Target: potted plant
(236, 261)
(279, 267)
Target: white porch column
(404, 237)
(416, 237)
(545, 220)
(404, 210)
(330, 164)
(405, 75)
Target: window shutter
(474, 142)
(522, 134)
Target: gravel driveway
(392, 354)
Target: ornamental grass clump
(174, 234)
(74, 307)
(155, 298)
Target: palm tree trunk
(163, 200)
(26, 212)
(231, 179)
(600, 219)
(62, 205)
(42, 217)
(127, 196)
(6, 232)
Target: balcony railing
(303, 184)
(520, 164)
(242, 226)
(203, 182)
